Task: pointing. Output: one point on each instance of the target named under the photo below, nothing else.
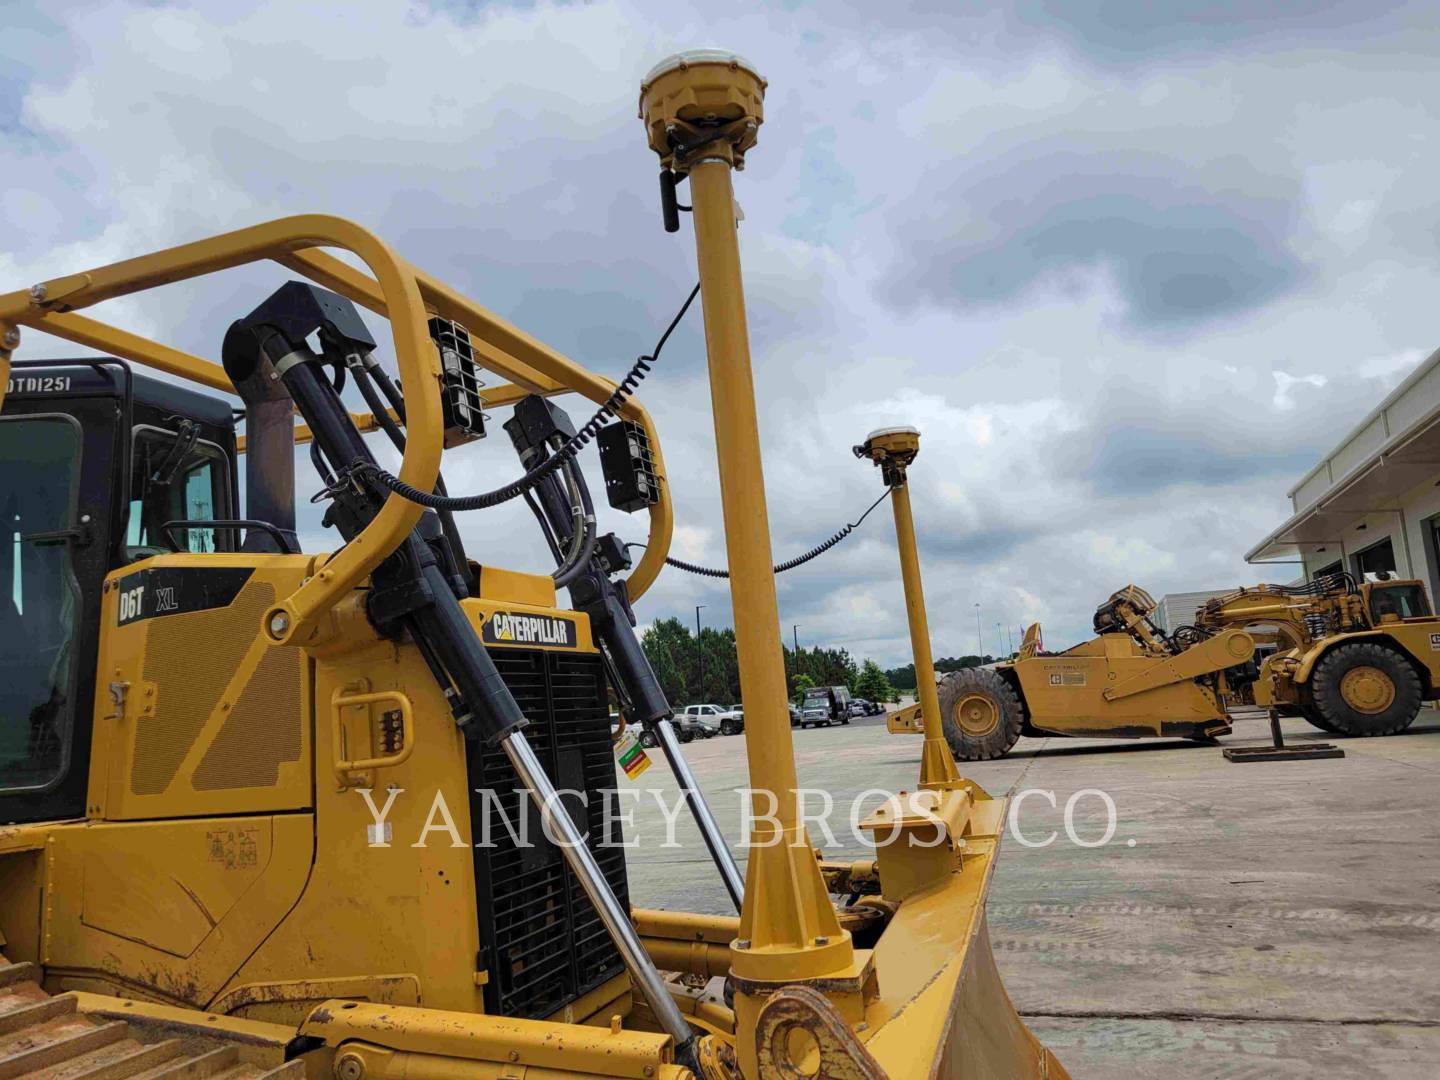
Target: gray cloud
(1182, 248)
(1129, 32)
(1078, 255)
(1117, 31)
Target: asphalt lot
(1269, 919)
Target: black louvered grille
(544, 945)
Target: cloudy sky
(1131, 268)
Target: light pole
(795, 638)
(979, 640)
(700, 657)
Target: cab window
(1406, 601)
(39, 598)
(176, 476)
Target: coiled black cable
(363, 379)
(1186, 636)
(566, 453)
(789, 564)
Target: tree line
(710, 672)
(903, 678)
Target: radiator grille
(263, 728)
(544, 945)
(191, 659)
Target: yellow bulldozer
(286, 813)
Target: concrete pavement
(1258, 920)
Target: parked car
(707, 721)
(682, 732)
(794, 716)
(640, 735)
(867, 707)
(734, 723)
(824, 705)
(857, 708)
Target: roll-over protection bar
(407, 297)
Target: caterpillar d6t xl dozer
(1131, 681)
(1352, 659)
(275, 811)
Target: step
(117, 1061)
(210, 1063)
(71, 1042)
(18, 973)
(35, 1014)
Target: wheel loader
(1353, 659)
(268, 807)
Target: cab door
(56, 504)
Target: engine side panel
(198, 715)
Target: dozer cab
(1353, 659)
(278, 812)
(1130, 681)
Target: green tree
(902, 678)
(722, 668)
(871, 683)
(671, 651)
(956, 663)
(801, 683)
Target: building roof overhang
(1405, 461)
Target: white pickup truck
(714, 719)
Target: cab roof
(91, 376)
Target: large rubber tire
(980, 713)
(1312, 715)
(1365, 688)
(727, 727)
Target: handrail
(294, 619)
(396, 290)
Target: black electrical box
(460, 383)
(612, 554)
(628, 465)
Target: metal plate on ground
(1282, 753)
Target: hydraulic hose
(582, 544)
(366, 369)
(789, 564)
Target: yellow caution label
(633, 758)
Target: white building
(1177, 609)
(1372, 503)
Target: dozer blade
(942, 1009)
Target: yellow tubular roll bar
(406, 297)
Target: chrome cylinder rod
(704, 818)
(616, 919)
